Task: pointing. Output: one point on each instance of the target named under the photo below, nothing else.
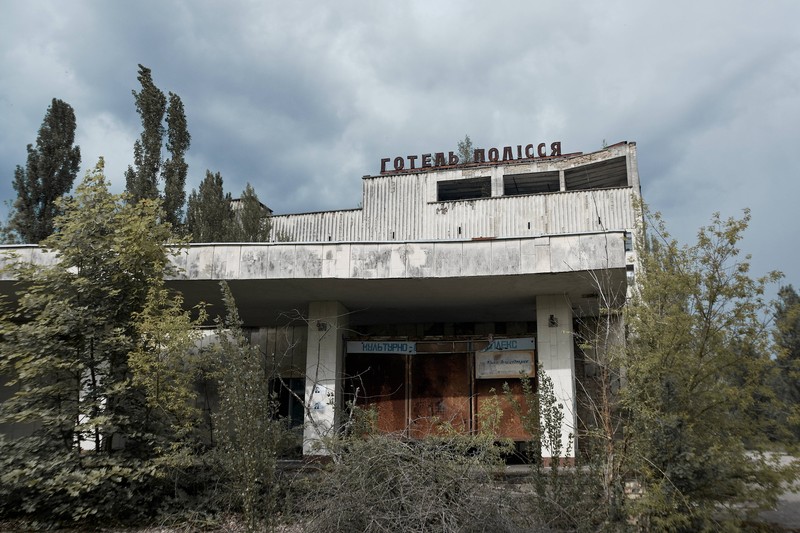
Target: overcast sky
(302, 99)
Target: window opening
(531, 183)
(465, 189)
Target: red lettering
(399, 163)
(529, 151)
(479, 155)
(453, 159)
(555, 148)
(494, 155)
(542, 148)
(508, 155)
(383, 164)
(411, 159)
(519, 151)
(438, 160)
(426, 160)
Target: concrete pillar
(555, 347)
(324, 370)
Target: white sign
(509, 364)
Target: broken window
(602, 175)
(531, 183)
(450, 190)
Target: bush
(386, 483)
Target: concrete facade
(421, 267)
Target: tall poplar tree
(142, 179)
(49, 173)
(151, 104)
(175, 168)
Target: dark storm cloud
(302, 99)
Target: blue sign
(513, 345)
(388, 347)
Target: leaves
(49, 173)
(69, 348)
(696, 360)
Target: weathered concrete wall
(537, 255)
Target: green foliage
(167, 365)
(213, 215)
(787, 340)
(209, 216)
(563, 499)
(151, 104)
(697, 354)
(465, 150)
(143, 177)
(252, 222)
(49, 173)
(65, 351)
(250, 435)
(175, 168)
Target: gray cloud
(303, 99)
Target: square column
(555, 347)
(324, 372)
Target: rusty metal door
(441, 388)
(379, 382)
(430, 390)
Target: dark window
(465, 189)
(602, 175)
(532, 183)
(290, 394)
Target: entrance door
(379, 382)
(440, 393)
(419, 388)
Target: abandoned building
(448, 281)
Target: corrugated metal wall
(396, 210)
(404, 207)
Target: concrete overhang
(383, 283)
(379, 282)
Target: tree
(696, 312)
(151, 104)
(787, 340)
(175, 168)
(66, 350)
(209, 216)
(465, 153)
(250, 432)
(252, 218)
(142, 180)
(213, 216)
(49, 173)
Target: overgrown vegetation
(66, 350)
(697, 355)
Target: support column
(555, 346)
(324, 371)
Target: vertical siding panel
(399, 205)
